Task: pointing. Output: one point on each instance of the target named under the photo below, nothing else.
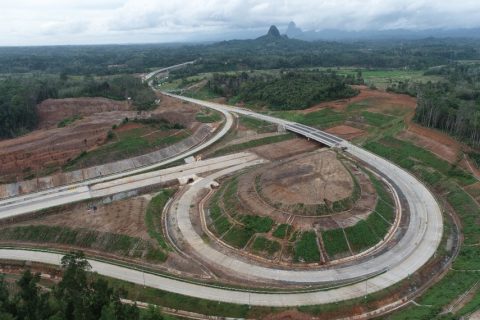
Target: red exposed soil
(51, 147)
(289, 315)
(52, 111)
(346, 132)
(285, 149)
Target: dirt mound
(52, 111)
(310, 180)
(177, 111)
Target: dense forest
(261, 53)
(452, 105)
(286, 90)
(75, 297)
(20, 95)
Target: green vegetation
(222, 225)
(360, 236)
(452, 106)
(282, 231)
(306, 249)
(238, 236)
(334, 242)
(128, 143)
(178, 301)
(284, 91)
(409, 156)
(208, 116)
(20, 95)
(321, 119)
(257, 224)
(259, 126)
(262, 244)
(67, 121)
(76, 296)
(84, 238)
(153, 216)
(377, 119)
(252, 144)
(18, 98)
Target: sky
(51, 22)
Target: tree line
(451, 105)
(287, 90)
(75, 297)
(20, 95)
(262, 53)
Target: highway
(152, 74)
(416, 247)
(79, 191)
(26, 204)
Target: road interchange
(417, 246)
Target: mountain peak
(293, 30)
(273, 31)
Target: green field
(262, 244)
(321, 119)
(126, 144)
(238, 236)
(306, 249)
(208, 116)
(282, 231)
(153, 216)
(252, 144)
(335, 242)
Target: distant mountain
(293, 31)
(273, 34)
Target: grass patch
(126, 144)
(153, 217)
(252, 144)
(321, 119)
(282, 231)
(377, 119)
(208, 116)
(84, 238)
(238, 236)
(67, 121)
(257, 125)
(262, 244)
(334, 242)
(222, 225)
(306, 249)
(257, 224)
(177, 301)
(360, 236)
(407, 155)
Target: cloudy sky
(37, 22)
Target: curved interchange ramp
(412, 251)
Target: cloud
(83, 21)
